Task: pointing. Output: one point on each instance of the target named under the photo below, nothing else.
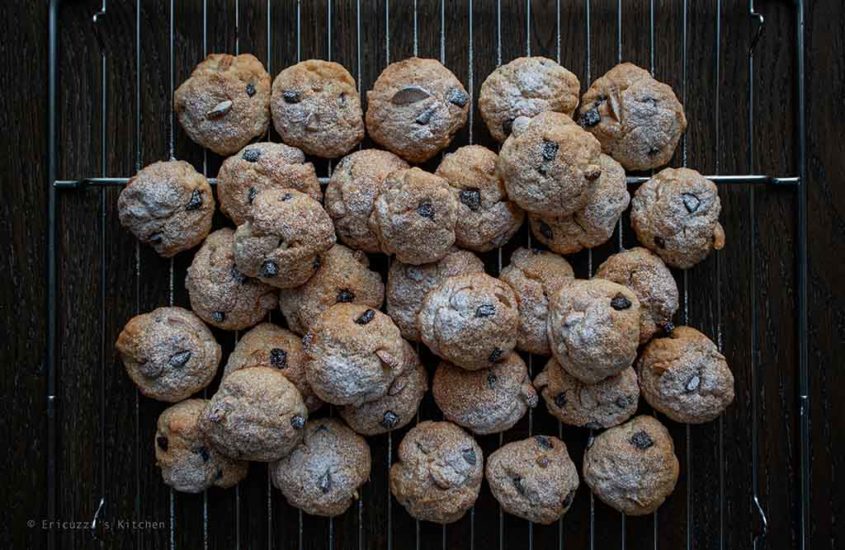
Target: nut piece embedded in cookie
(415, 108)
(257, 414)
(549, 164)
(594, 329)
(684, 376)
(316, 107)
(168, 353)
(632, 468)
(486, 218)
(470, 320)
(638, 120)
(167, 205)
(676, 215)
(322, 475)
(527, 86)
(225, 103)
(282, 240)
(437, 476)
(533, 479)
(187, 462)
(414, 216)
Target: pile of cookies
(348, 336)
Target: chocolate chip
(496, 354)
(290, 96)
(286, 197)
(517, 482)
(691, 202)
(550, 149)
(560, 400)
(365, 317)
(250, 89)
(471, 198)
(297, 422)
(196, 200)
(457, 97)
(491, 380)
(485, 310)
(692, 384)
(620, 302)
(345, 295)
(641, 440)
(589, 118)
(567, 500)
(544, 442)
(250, 195)
(269, 269)
(218, 316)
(389, 419)
(251, 155)
(237, 276)
(325, 482)
(507, 126)
(545, 230)
(203, 452)
(425, 117)
(659, 242)
(409, 94)
(426, 210)
(180, 359)
(278, 358)
(469, 456)
(163, 443)
(623, 401)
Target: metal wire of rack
(104, 181)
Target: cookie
(271, 346)
(648, 277)
(225, 103)
(638, 120)
(167, 205)
(484, 401)
(594, 329)
(407, 285)
(414, 216)
(606, 403)
(395, 409)
(685, 377)
(316, 107)
(257, 414)
(535, 276)
(220, 294)
(438, 471)
(260, 166)
(321, 476)
(355, 183)
(343, 276)
(188, 464)
(470, 320)
(527, 86)
(168, 353)
(415, 108)
(593, 223)
(282, 240)
(549, 164)
(632, 468)
(486, 218)
(533, 479)
(675, 214)
(354, 354)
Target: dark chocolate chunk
(425, 117)
(219, 474)
(286, 197)
(297, 422)
(491, 380)
(560, 400)
(592, 425)
(641, 440)
(653, 151)
(590, 118)
(507, 126)
(251, 155)
(620, 302)
(345, 295)
(471, 198)
(278, 358)
(291, 96)
(250, 195)
(496, 354)
(517, 482)
(196, 200)
(692, 384)
(659, 242)
(545, 230)
(269, 268)
(365, 317)
(389, 419)
(409, 94)
(237, 276)
(469, 456)
(203, 452)
(156, 238)
(250, 89)
(218, 316)
(623, 401)
(178, 360)
(544, 442)
(668, 327)
(325, 482)
(485, 310)
(550, 149)
(163, 443)
(691, 202)
(457, 97)
(426, 210)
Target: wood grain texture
(743, 297)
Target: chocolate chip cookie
(676, 215)
(438, 473)
(343, 276)
(637, 119)
(415, 108)
(648, 277)
(168, 353)
(407, 285)
(527, 86)
(488, 400)
(486, 218)
(187, 462)
(414, 216)
(282, 240)
(535, 276)
(321, 476)
(470, 320)
(316, 107)
(260, 166)
(225, 103)
(549, 164)
(355, 183)
(257, 414)
(594, 329)
(533, 479)
(606, 403)
(167, 205)
(632, 468)
(684, 376)
(220, 294)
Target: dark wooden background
(745, 296)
